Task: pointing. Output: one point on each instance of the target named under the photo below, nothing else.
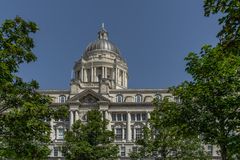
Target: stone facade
(101, 82)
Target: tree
(210, 102)
(164, 140)
(90, 140)
(24, 113)
(230, 20)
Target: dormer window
(119, 98)
(62, 99)
(138, 98)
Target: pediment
(88, 97)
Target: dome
(102, 43)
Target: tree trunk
(223, 151)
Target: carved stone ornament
(89, 99)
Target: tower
(101, 64)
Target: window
(113, 117)
(60, 133)
(132, 117)
(132, 133)
(62, 99)
(138, 133)
(119, 117)
(210, 149)
(138, 98)
(119, 98)
(138, 116)
(55, 151)
(134, 148)
(123, 152)
(119, 134)
(144, 116)
(124, 117)
(125, 133)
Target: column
(92, 79)
(148, 117)
(103, 72)
(85, 75)
(110, 120)
(82, 74)
(71, 118)
(124, 78)
(129, 134)
(106, 72)
(76, 115)
(116, 76)
(52, 135)
(94, 74)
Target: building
(101, 81)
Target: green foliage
(24, 113)
(210, 103)
(230, 33)
(162, 139)
(91, 140)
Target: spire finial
(103, 34)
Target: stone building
(101, 81)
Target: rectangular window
(123, 152)
(144, 116)
(134, 149)
(125, 133)
(124, 117)
(119, 134)
(119, 117)
(132, 133)
(210, 150)
(113, 117)
(138, 117)
(132, 117)
(55, 151)
(138, 133)
(60, 133)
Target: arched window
(158, 96)
(60, 133)
(119, 98)
(62, 99)
(138, 98)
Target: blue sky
(154, 36)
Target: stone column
(129, 134)
(92, 79)
(94, 74)
(71, 118)
(82, 74)
(124, 76)
(85, 75)
(110, 120)
(126, 80)
(148, 117)
(106, 72)
(76, 116)
(52, 134)
(116, 76)
(103, 72)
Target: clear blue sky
(154, 36)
